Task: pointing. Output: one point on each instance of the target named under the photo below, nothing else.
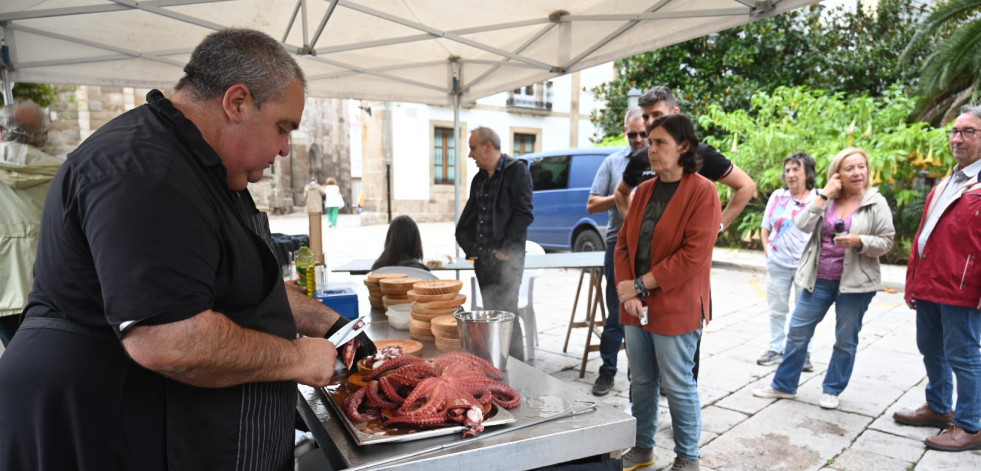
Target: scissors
(348, 332)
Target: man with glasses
(943, 285)
(601, 199)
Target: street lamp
(633, 97)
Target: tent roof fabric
(420, 51)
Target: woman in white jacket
(333, 201)
(851, 227)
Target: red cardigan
(681, 255)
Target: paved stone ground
(740, 431)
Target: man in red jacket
(943, 284)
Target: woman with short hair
(662, 262)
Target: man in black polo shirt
(660, 101)
(494, 226)
(159, 334)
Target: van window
(550, 173)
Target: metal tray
(498, 416)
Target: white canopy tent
(425, 51)
(440, 52)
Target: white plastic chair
(526, 304)
(414, 272)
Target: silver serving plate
(499, 416)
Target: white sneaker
(828, 401)
(773, 393)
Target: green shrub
(905, 158)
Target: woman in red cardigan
(662, 263)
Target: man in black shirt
(159, 334)
(660, 101)
(494, 224)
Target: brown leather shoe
(923, 416)
(954, 439)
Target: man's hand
(744, 189)
(911, 303)
(500, 255)
(317, 360)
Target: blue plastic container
(341, 297)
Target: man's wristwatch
(823, 196)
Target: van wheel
(588, 241)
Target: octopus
(452, 389)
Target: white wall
(412, 132)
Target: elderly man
(25, 175)
(159, 334)
(494, 224)
(943, 284)
(601, 198)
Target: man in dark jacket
(494, 226)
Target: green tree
(834, 50)
(40, 93)
(904, 157)
(950, 74)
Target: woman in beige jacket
(851, 227)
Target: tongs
(348, 332)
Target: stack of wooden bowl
(395, 289)
(373, 282)
(431, 299)
(447, 334)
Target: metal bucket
(486, 334)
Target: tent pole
(457, 147)
(5, 83)
(8, 87)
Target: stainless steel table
(597, 433)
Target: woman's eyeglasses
(643, 135)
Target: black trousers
(499, 282)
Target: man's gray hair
(633, 113)
(657, 95)
(972, 109)
(27, 131)
(485, 134)
(233, 56)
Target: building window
(444, 156)
(523, 144)
(535, 98)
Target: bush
(905, 158)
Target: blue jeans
(612, 336)
(665, 360)
(948, 337)
(811, 307)
(779, 282)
